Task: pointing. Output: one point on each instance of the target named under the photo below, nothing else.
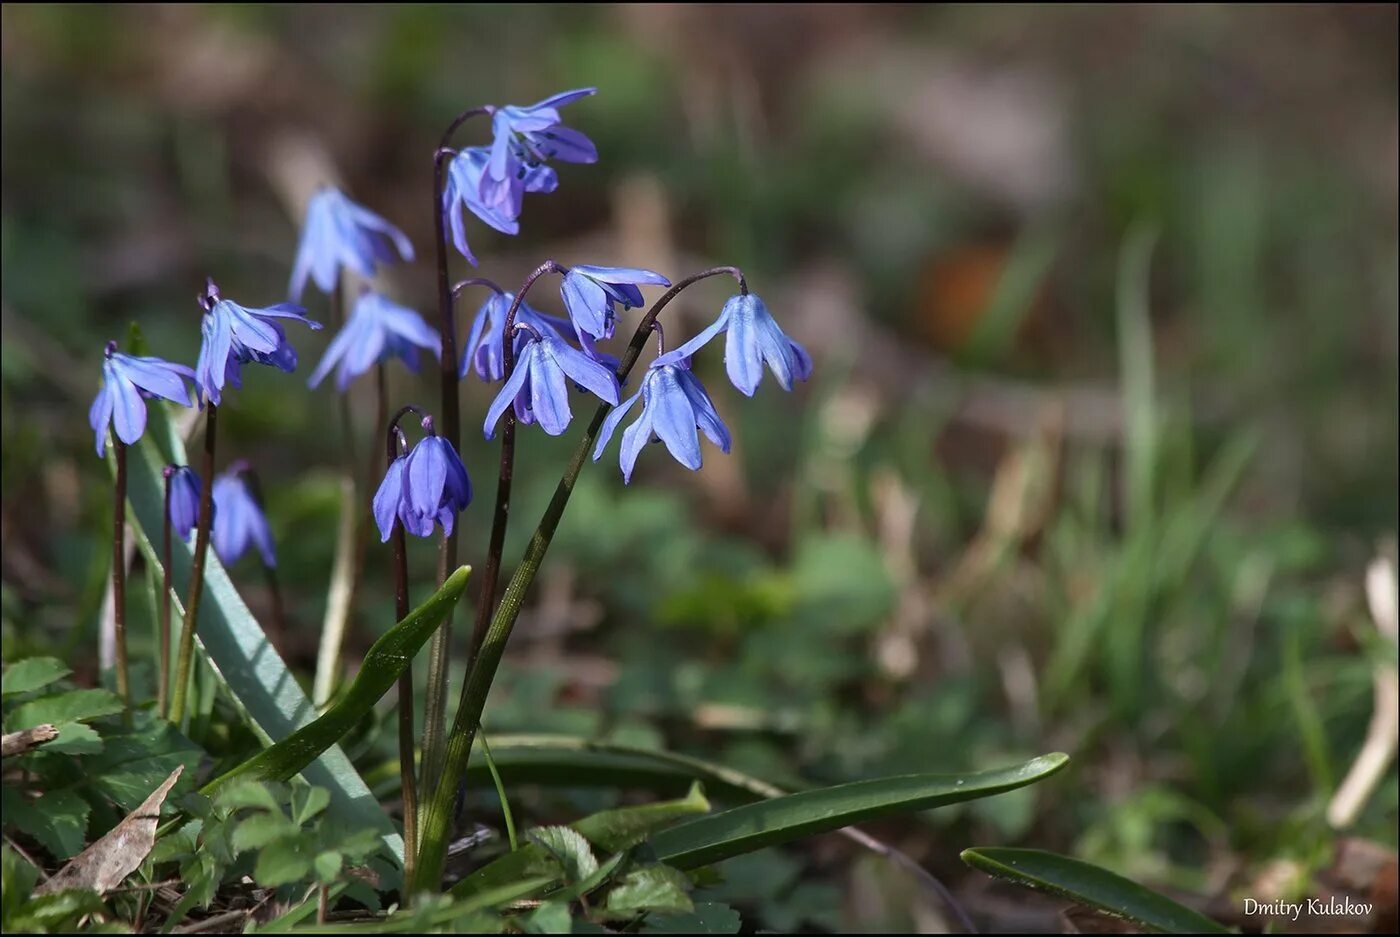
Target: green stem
(119, 576)
(435, 828)
(180, 690)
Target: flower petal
(512, 387)
(388, 498)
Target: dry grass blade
(103, 865)
(17, 743)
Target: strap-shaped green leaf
(383, 663)
(783, 819)
(1090, 885)
(230, 637)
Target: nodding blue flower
(592, 294)
(674, 404)
(754, 339)
(376, 331)
(539, 385)
(427, 486)
(185, 489)
(127, 381)
(484, 351)
(523, 136)
(234, 335)
(462, 192)
(339, 233)
(241, 521)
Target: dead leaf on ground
(103, 865)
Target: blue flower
(427, 486)
(591, 295)
(462, 192)
(754, 339)
(674, 404)
(376, 331)
(185, 489)
(529, 135)
(539, 385)
(241, 521)
(126, 382)
(339, 233)
(484, 351)
(234, 335)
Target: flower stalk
(180, 691)
(167, 584)
(407, 770)
(434, 830)
(435, 711)
(119, 575)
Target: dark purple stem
(407, 769)
(486, 602)
(119, 574)
(167, 581)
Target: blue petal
(427, 474)
(100, 417)
(634, 439)
(678, 355)
(673, 418)
(610, 423)
(706, 417)
(511, 388)
(585, 371)
(565, 144)
(388, 498)
(549, 394)
(128, 409)
(587, 303)
(742, 358)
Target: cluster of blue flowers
(427, 486)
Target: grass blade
(1089, 885)
(783, 819)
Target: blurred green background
(1101, 439)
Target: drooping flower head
(754, 339)
(425, 487)
(376, 331)
(484, 351)
(235, 335)
(185, 489)
(127, 381)
(240, 521)
(674, 404)
(339, 233)
(462, 192)
(523, 137)
(539, 384)
(592, 295)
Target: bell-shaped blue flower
(428, 486)
(185, 489)
(376, 331)
(484, 352)
(754, 339)
(539, 385)
(240, 521)
(674, 405)
(234, 335)
(592, 295)
(339, 233)
(127, 381)
(462, 192)
(523, 136)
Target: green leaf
(783, 819)
(132, 764)
(307, 802)
(233, 641)
(59, 820)
(281, 862)
(32, 673)
(614, 830)
(654, 888)
(1092, 886)
(73, 706)
(57, 913)
(570, 848)
(74, 738)
(17, 879)
(327, 865)
(709, 917)
(261, 829)
(379, 671)
(552, 917)
(249, 795)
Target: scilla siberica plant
(539, 360)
